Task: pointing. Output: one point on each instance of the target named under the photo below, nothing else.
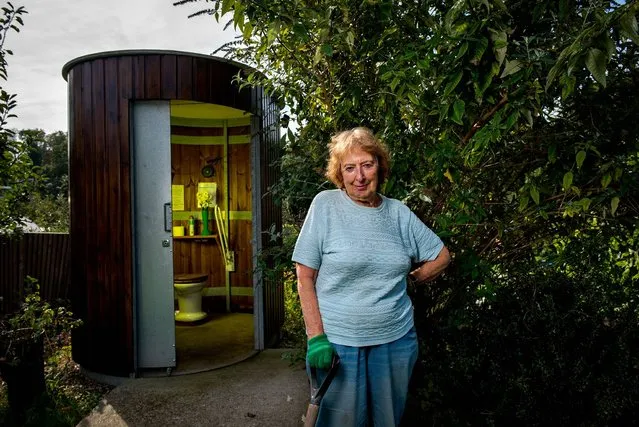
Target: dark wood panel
(271, 215)
(43, 256)
(99, 199)
(87, 178)
(11, 275)
(138, 77)
(168, 89)
(103, 319)
(184, 77)
(240, 235)
(152, 77)
(241, 232)
(202, 80)
(196, 131)
(239, 130)
(79, 291)
(124, 253)
(240, 177)
(113, 223)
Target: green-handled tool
(317, 392)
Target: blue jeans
(371, 384)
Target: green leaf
(501, 5)
(318, 55)
(453, 13)
(552, 74)
(581, 156)
(500, 45)
(227, 5)
(629, 25)
(614, 204)
(480, 48)
(443, 111)
(462, 51)
(238, 16)
(350, 39)
(552, 153)
(563, 9)
(568, 85)
(453, 82)
(607, 42)
(511, 68)
(596, 64)
(606, 180)
(413, 98)
(247, 30)
(394, 83)
(511, 120)
(327, 49)
(459, 107)
(567, 180)
(534, 193)
(585, 203)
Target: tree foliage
(513, 131)
(17, 177)
(48, 204)
(498, 114)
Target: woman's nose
(360, 174)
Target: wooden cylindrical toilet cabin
(147, 129)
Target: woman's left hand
(430, 270)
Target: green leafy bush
(546, 344)
(70, 395)
(36, 320)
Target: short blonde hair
(345, 142)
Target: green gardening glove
(320, 352)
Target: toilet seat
(189, 278)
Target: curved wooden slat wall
(101, 88)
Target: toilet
(188, 289)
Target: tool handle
(311, 415)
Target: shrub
(26, 336)
(535, 345)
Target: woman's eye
(349, 169)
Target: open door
(154, 306)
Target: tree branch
(484, 119)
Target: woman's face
(359, 170)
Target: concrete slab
(264, 390)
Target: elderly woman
(353, 255)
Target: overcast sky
(57, 31)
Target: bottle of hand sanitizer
(191, 226)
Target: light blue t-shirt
(363, 256)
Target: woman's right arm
(308, 299)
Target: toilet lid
(190, 278)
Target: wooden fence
(43, 256)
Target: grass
(70, 395)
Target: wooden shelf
(199, 237)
